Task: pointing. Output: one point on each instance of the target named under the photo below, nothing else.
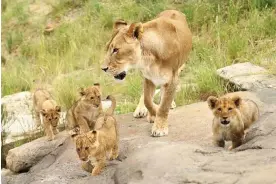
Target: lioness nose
(224, 117)
(105, 69)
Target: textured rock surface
(185, 156)
(248, 76)
(23, 157)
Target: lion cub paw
(140, 112)
(96, 171)
(159, 128)
(50, 138)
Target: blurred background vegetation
(69, 56)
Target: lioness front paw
(160, 127)
(140, 112)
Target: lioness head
(51, 115)
(224, 108)
(91, 95)
(86, 144)
(123, 51)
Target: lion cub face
(225, 109)
(123, 50)
(91, 95)
(86, 144)
(51, 116)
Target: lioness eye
(86, 148)
(91, 97)
(219, 109)
(115, 50)
(229, 109)
(78, 149)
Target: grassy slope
(225, 32)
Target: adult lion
(159, 48)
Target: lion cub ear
(43, 112)
(118, 24)
(82, 92)
(97, 85)
(237, 100)
(212, 102)
(58, 108)
(135, 30)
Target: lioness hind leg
(141, 110)
(149, 89)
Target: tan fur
(86, 110)
(232, 116)
(47, 108)
(159, 48)
(94, 145)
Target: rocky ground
(185, 156)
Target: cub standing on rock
(45, 106)
(233, 116)
(86, 110)
(94, 145)
(159, 48)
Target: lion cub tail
(111, 109)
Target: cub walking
(232, 116)
(94, 145)
(46, 110)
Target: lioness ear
(212, 102)
(82, 92)
(237, 100)
(118, 24)
(135, 30)
(58, 108)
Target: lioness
(159, 48)
(232, 116)
(86, 110)
(45, 106)
(94, 145)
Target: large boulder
(185, 156)
(22, 158)
(248, 76)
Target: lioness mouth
(225, 122)
(120, 76)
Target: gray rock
(248, 76)
(22, 158)
(185, 156)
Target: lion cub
(86, 110)
(46, 110)
(94, 145)
(232, 116)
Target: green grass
(224, 32)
